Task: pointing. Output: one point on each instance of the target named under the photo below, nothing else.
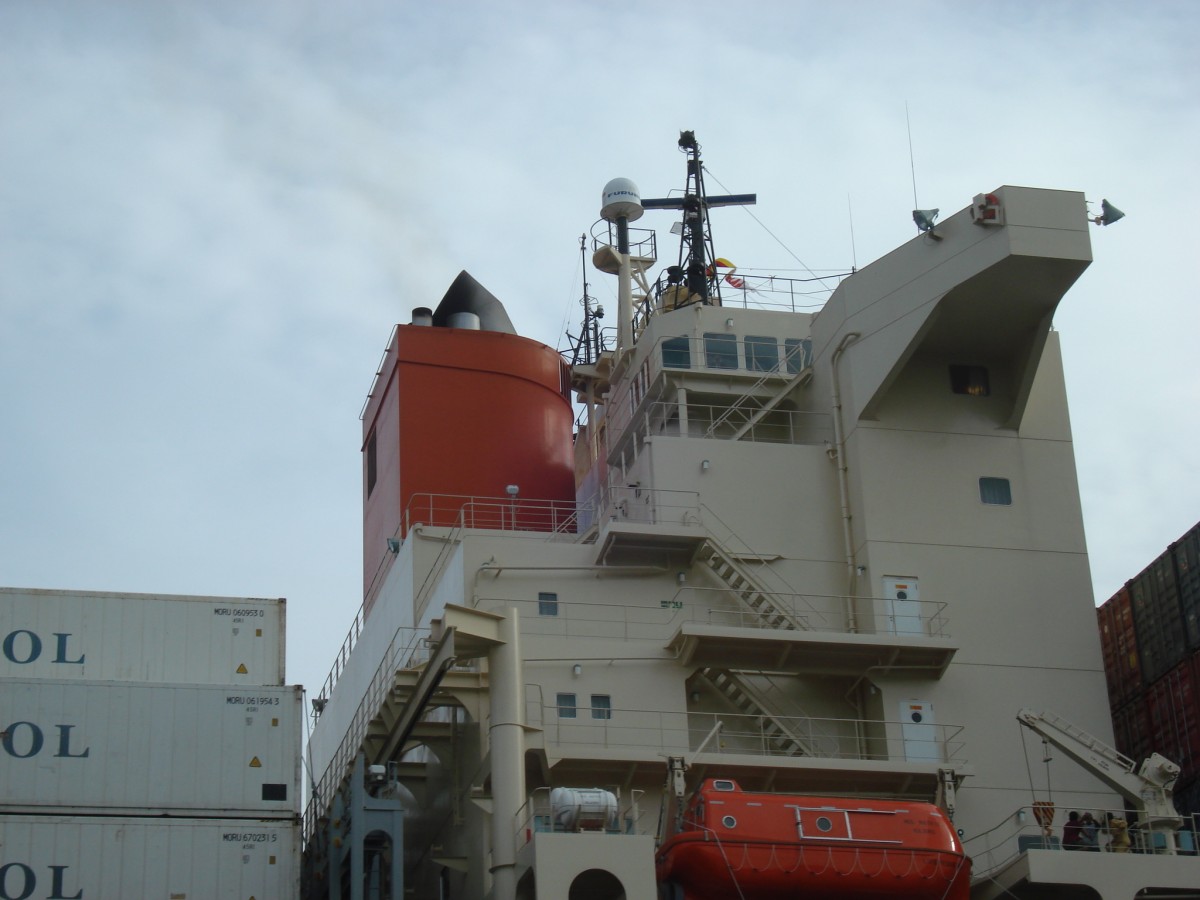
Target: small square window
(566, 706)
(762, 353)
(971, 380)
(995, 491)
(601, 706)
(677, 353)
(720, 350)
(547, 604)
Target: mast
(697, 259)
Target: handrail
(658, 624)
(493, 513)
(400, 654)
(653, 732)
(1021, 831)
(340, 661)
(378, 372)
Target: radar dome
(621, 198)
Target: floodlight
(1109, 214)
(924, 218)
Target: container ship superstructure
(785, 614)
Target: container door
(903, 605)
(919, 731)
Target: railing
(378, 373)
(499, 514)
(642, 733)
(761, 357)
(698, 605)
(995, 848)
(340, 661)
(768, 292)
(408, 649)
(694, 420)
(644, 506)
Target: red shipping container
(1131, 725)
(1122, 669)
(1173, 704)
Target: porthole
(824, 824)
(729, 822)
(916, 717)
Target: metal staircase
(779, 731)
(748, 409)
(750, 592)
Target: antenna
(697, 267)
(911, 162)
(853, 248)
(586, 348)
(923, 218)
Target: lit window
(995, 491)
(566, 706)
(677, 353)
(798, 353)
(720, 350)
(762, 353)
(971, 380)
(601, 706)
(547, 604)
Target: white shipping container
(123, 858)
(96, 636)
(124, 748)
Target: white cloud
(211, 215)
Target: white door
(919, 730)
(903, 605)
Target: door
(919, 731)
(903, 605)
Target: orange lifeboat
(737, 845)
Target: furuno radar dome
(621, 200)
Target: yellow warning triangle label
(255, 764)
(242, 670)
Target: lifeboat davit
(734, 844)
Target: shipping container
(132, 749)
(1131, 728)
(1174, 716)
(1187, 797)
(106, 858)
(1118, 642)
(157, 638)
(1186, 553)
(1157, 619)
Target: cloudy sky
(211, 215)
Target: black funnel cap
(468, 295)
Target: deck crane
(1147, 787)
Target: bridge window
(720, 350)
(798, 354)
(677, 353)
(762, 353)
(566, 706)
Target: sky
(212, 214)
